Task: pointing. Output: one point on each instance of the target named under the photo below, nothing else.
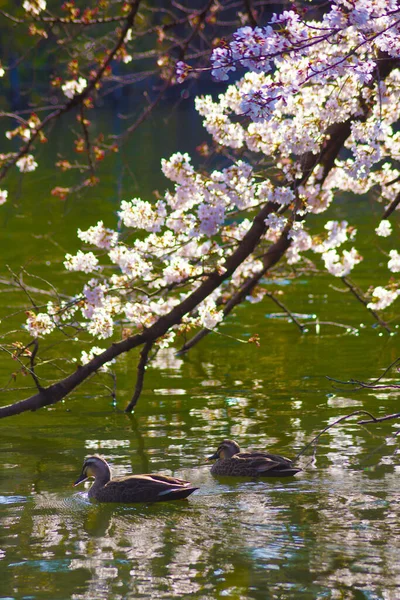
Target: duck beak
(81, 478)
(213, 457)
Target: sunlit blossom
(39, 324)
(73, 87)
(3, 196)
(34, 7)
(394, 262)
(384, 228)
(95, 351)
(86, 262)
(26, 163)
(382, 298)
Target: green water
(330, 532)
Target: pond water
(330, 532)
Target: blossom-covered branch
(180, 264)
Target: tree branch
(58, 391)
(144, 355)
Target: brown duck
(232, 462)
(132, 488)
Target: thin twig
(380, 419)
(364, 302)
(287, 310)
(87, 141)
(35, 344)
(140, 376)
(316, 438)
(372, 385)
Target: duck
(131, 488)
(231, 461)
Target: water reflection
(326, 527)
(330, 532)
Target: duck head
(94, 466)
(226, 449)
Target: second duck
(231, 461)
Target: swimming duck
(131, 488)
(231, 461)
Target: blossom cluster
(74, 87)
(34, 7)
(304, 80)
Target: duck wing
(274, 457)
(267, 465)
(168, 479)
(145, 488)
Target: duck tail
(177, 493)
(283, 472)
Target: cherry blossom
(95, 351)
(394, 262)
(3, 196)
(86, 262)
(74, 87)
(26, 163)
(300, 83)
(39, 324)
(382, 298)
(384, 228)
(99, 236)
(34, 7)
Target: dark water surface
(331, 532)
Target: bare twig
(291, 315)
(374, 384)
(87, 141)
(250, 13)
(340, 420)
(360, 298)
(379, 419)
(35, 344)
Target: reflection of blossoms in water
(166, 359)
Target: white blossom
(340, 266)
(95, 351)
(3, 196)
(382, 298)
(394, 262)
(26, 163)
(99, 236)
(39, 324)
(73, 87)
(34, 7)
(209, 315)
(384, 228)
(86, 262)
